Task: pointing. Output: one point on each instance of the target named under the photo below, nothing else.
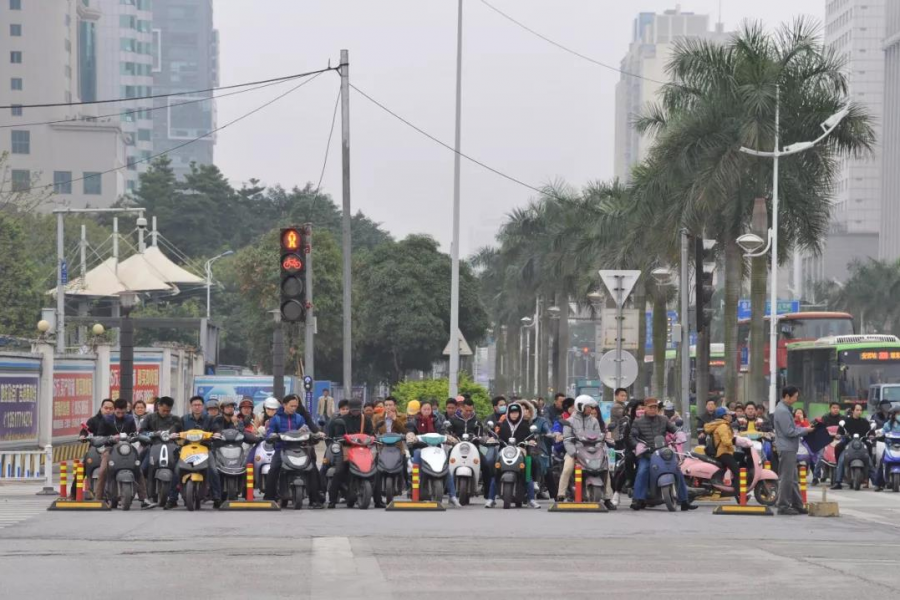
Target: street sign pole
(620, 302)
(619, 284)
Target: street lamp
(527, 323)
(751, 243)
(127, 301)
(209, 264)
(662, 275)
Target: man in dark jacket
(883, 415)
(197, 418)
(645, 430)
(119, 422)
(466, 422)
(94, 424)
(287, 419)
(707, 416)
(854, 425)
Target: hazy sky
(529, 109)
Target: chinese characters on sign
(146, 382)
(73, 400)
(18, 407)
(879, 355)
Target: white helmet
(583, 401)
(272, 403)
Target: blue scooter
(663, 473)
(891, 460)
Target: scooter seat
(705, 458)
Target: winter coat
(114, 426)
(204, 423)
(422, 425)
(855, 426)
(93, 424)
(398, 425)
(283, 422)
(891, 426)
(647, 429)
(154, 422)
(579, 424)
(723, 436)
(517, 429)
(787, 433)
(460, 426)
(351, 424)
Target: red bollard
(79, 482)
(578, 484)
(415, 483)
(249, 482)
(743, 487)
(63, 480)
(803, 483)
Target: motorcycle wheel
(506, 491)
(389, 489)
(126, 492)
(766, 492)
(298, 497)
(895, 482)
(856, 480)
(191, 498)
(591, 494)
(365, 494)
(112, 493)
(231, 488)
(463, 491)
(668, 496)
(437, 488)
(162, 491)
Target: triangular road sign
(619, 283)
(464, 349)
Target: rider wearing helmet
(581, 421)
(228, 418)
(270, 407)
(513, 426)
(245, 413)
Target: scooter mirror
(533, 429)
(512, 440)
(490, 424)
(842, 422)
(872, 425)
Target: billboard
(73, 402)
(146, 381)
(220, 387)
(18, 407)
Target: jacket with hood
(459, 425)
(723, 436)
(514, 429)
(282, 422)
(579, 424)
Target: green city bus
(841, 369)
(673, 371)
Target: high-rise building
(186, 59)
(889, 240)
(48, 52)
(124, 70)
(652, 41)
(855, 30)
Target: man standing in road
(325, 406)
(787, 442)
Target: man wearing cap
(412, 412)
(645, 430)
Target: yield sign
(619, 283)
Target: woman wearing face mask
(513, 426)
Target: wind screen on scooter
(390, 438)
(589, 438)
(432, 439)
(232, 435)
(295, 436)
(230, 451)
(659, 442)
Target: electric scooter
(890, 460)
(511, 464)
(856, 455)
(705, 475)
(663, 469)
(592, 456)
(391, 461)
(161, 465)
(829, 457)
(124, 465)
(297, 464)
(434, 466)
(231, 460)
(192, 466)
(361, 456)
(262, 463)
(465, 461)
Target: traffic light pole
(454, 246)
(345, 220)
(309, 355)
(278, 358)
(686, 338)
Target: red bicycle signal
(291, 262)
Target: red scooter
(705, 476)
(361, 456)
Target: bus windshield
(814, 329)
(862, 368)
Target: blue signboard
(784, 307)
(64, 272)
(672, 319)
(220, 387)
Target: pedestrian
(787, 442)
(325, 406)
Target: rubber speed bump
(249, 505)
(578, 507)
(78, 505)
(762, 511)
(415, 505)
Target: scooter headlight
(194, 437)
(509, 452)
(125, 449)
(666, 454)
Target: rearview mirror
(533, 429)
(842, 422)
(872, 425)
(490, 424)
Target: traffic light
(705, 256)
(293, 275)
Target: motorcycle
(891, 460)
(391, 461)
(706, 475)
(361, 457)
(161, 468)
(231, 460)
(663, 469)
(855, 458)
(829, 457)
(511, 466)
(333, 459)
(297, 464)
(262, 463)
(592, 456)
(434, 466)
(192, 466)
(123, 466)
(465, 461)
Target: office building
(652, 43)
(186, 59)
(889, 240)
(855, 29)
(48, 51)
(124, 70)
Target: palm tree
(723, 97)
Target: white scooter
(465, 463)
(262, 462)
(434, 466)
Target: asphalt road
(349, 553)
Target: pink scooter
(706, 476)
(829, 457)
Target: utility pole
(60, 286)
(685, 338)
(454, 245)
(308, 345)
(278, 358)
(345, 220)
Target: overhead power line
(143, 110)
(188, 142)
(566, 48)
(189, 93)
(328, 144)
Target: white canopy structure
(153, 261)
(106, 280)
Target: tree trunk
(733, 276)
(660, 337)
(513, 354)
(562, 348)
(758, 274)
(640, 303)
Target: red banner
(146, 382)
(73, 402)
